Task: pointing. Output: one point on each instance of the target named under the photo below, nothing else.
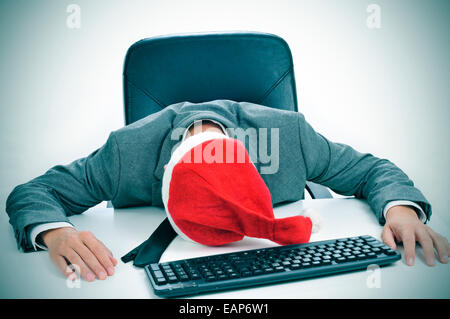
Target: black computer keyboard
(267, 266)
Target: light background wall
(383, 91)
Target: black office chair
(198, 67)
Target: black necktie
(150, 251)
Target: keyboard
(267, 265)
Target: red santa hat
(214, 195)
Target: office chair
(198, 67)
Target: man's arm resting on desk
(62, 191)
(349, 172)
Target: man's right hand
(81, 249)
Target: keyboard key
(268, 270)
(295, 266)
(154, 267)
(222, 277)
(161, 281)
(326, 262)
(390, 252)
(172, 279)
(276, 264)
(246, 273)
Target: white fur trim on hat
(315, 217)
(177, 155)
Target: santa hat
(214, 195)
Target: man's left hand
(403, 225)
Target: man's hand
(403, 225)
(81, 249)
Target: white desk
(33, 275)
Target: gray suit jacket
(128, 168)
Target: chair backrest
(198, 67)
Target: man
(128, 171)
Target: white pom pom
(315, 217)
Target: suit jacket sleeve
(64, 190)
(349, 172)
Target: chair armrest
(317, 191)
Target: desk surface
(33, 275)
